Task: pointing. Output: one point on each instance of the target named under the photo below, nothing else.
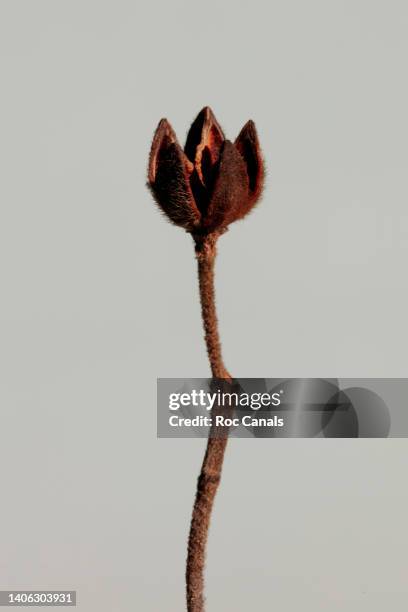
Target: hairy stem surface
(210, 474)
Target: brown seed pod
(210, 184)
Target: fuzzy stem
(210, 474)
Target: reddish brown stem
(210, 474)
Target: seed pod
(210, 184)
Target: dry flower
(210, 184)
(203, 189)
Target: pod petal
(168, 178)
(248, 146)
(230, 189)
(203, 145)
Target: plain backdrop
(99, 297)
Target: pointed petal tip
(249, 130)
(205, 132)
(164, 132)
(164, 129)
(206, 112)
(206, 115)
(250, 125)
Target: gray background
(99, 298)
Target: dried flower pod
(203, 189)
(210, 184)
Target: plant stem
(210, 474)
